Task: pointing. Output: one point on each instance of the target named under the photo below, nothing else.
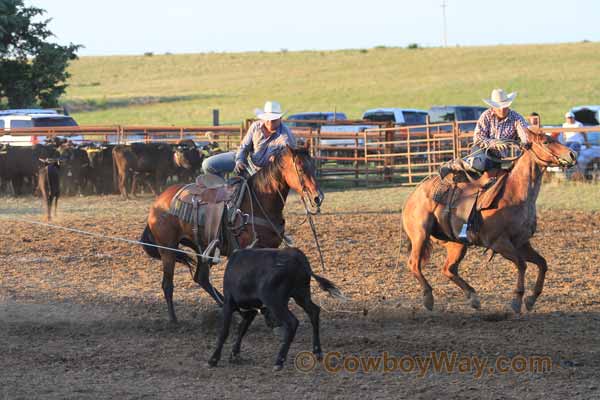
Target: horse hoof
(234, 358)
(428, 301)
(516, 305)
(474, 301)
(277, 367)
(530, 302)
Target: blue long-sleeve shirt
(260, 148)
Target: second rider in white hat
(495, 126)
(264, 138)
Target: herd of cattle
(90, 168)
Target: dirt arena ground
(85, 318)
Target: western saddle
(204, 204)
(464, 198)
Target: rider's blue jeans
(219, 164)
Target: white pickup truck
(30, 118)
(394, 116)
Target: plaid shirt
(260, 148)
(489, 128)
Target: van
(446, 114)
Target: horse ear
(290, 148)
(301, 144)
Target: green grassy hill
(183, 89)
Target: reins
(308, 211)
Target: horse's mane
(271, 175)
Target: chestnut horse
(506, 230)
(265, 199)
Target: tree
(33, 71)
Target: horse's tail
(425, 251)
(147, 240)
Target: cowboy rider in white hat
(264, 138)
(495, 126)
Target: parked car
(445, 114)
(396, 116)
(314, 116)
(30, 118)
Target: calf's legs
(290, 323)
(313, 311)
(248, 317)
(227, 316)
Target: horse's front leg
(529, 254)
(202, 277)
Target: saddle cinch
(464, 199)
(213, 204)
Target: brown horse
(265, 199)
(506, 230)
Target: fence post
(409, 156)
(215, 115)
(318, 153)
(387, 151)
(455, 140)
(356, 159)
(366, 158)
(428, 138)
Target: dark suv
(314, 116)
(445, 114)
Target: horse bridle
(528, 146)
(554, 158)
(304, 190)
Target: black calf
(256, 278)
(49, 185)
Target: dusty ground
(85, 318)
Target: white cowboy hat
(272, 111)
(499, 99)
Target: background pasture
(183, 89)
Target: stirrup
(463, 232)
(216, 258)
(288, 240)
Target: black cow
(141, 161)
(100, 172)
(3, 170)
(257, 278)
(21, 163)
(74, 169)
(49, 185)
(187, 159)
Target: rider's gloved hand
(500, 145)
(239, 167)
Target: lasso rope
(105, 237)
